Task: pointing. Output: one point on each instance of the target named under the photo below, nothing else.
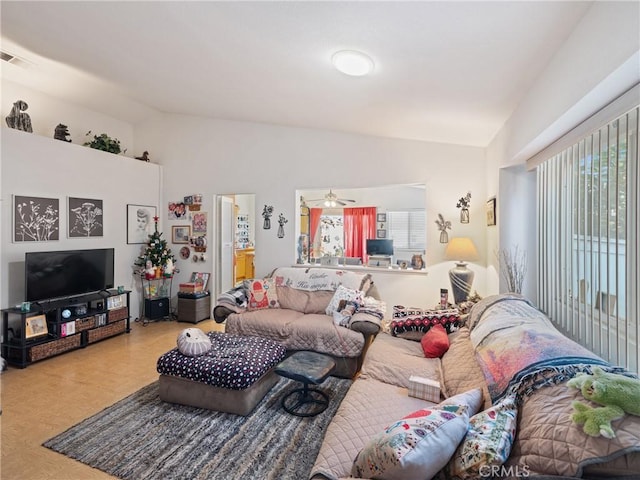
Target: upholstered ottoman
(231, 377)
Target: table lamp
(461, 249)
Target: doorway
(235, 239)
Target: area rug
(142, 437)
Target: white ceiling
(449, 72)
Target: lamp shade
(461, 249)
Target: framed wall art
(85, 217)
(35, 326)
(180, 233)
(199, 222)
(140, 222)
(381, 217)
(35, 219)
(491, 212)
(380, 233)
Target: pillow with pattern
(261, 293)
(488, 440)
(193, 342)
(343, 293)
(412, 323)
(414, 448)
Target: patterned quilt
(519, 349)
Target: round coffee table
(308, 368)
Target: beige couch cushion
(298, 331)
(393, 360)
(368, 407)
(549, 443)
(460, 371)
(302, 300)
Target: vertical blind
(588, 230)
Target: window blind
(407, 229)
(587, 228)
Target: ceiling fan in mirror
(331, 200)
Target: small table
(308, 368)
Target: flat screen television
(379, 247)
(67, 273)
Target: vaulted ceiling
(448, 72)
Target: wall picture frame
(35, 219)
(180, 233)
(381, 233)
(491, 212)
(199, 222)
(35, 326)
(140, 222)
(381, 217)
(84, 217)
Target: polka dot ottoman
(231, 377)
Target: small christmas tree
(156, 255)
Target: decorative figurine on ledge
(18, 119)
(144, 157)
(61, 133)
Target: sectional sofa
(507, 350)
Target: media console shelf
(52, 327)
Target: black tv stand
(56, 326)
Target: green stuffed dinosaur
(617, 393)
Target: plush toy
(168, 268)
(617, 393)
(149, 271)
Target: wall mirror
(346, 226)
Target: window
(407, 229)
(587, 240)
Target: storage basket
(118, 314)
(107, 331)
(44, 350)
(85, 323)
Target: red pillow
(435, 342)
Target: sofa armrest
(221, 312)
(365, 327)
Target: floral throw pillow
(414, 448)
(261, 294)
(488, 440)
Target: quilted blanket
(519, 349)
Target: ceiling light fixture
(351, 62)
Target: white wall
(599, 61)
(216, 156)
(47, 112)
(41, 166)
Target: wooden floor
(52, 395)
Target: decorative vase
(444, 237)
(464, 215)
(461, 279)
